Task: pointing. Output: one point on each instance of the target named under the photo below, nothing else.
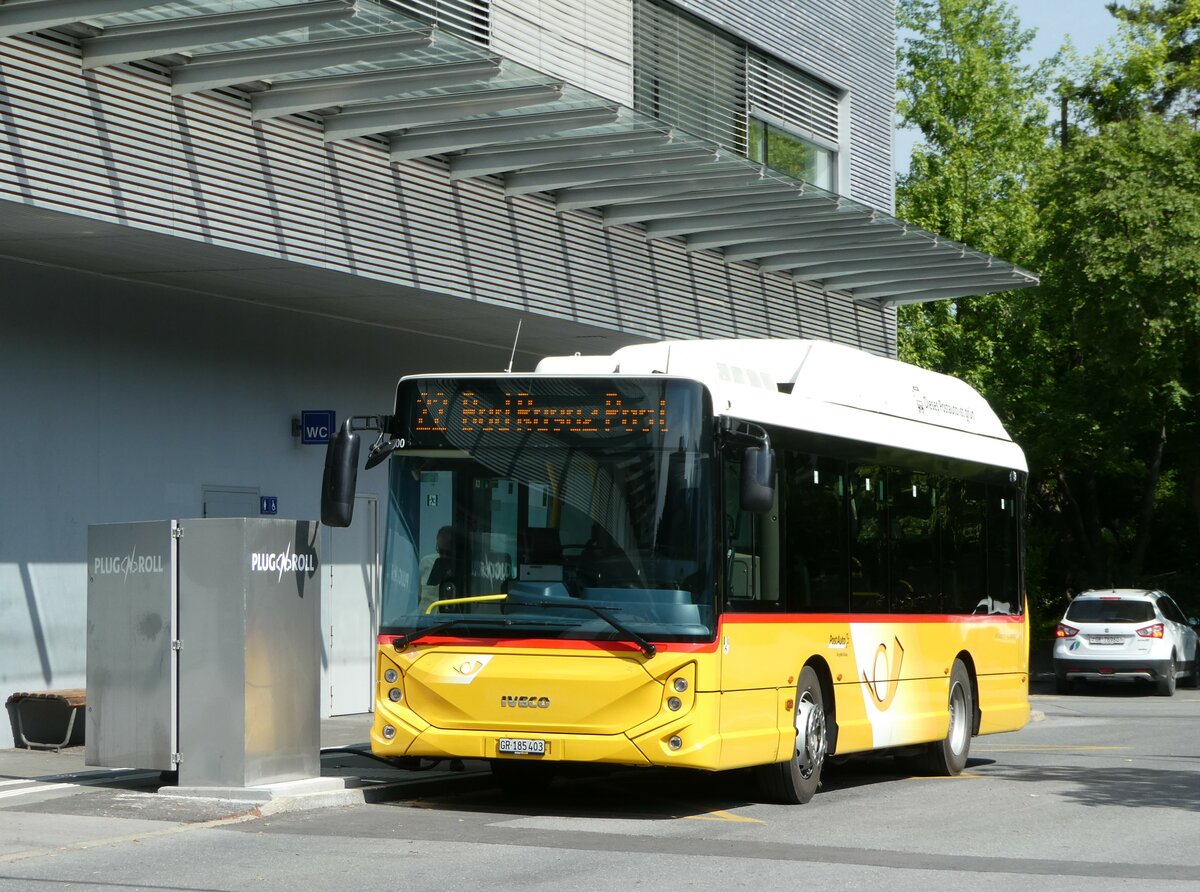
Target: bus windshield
(516, 501)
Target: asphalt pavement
(52, 801)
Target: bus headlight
(388, 732)
(674, 743)
(395, 695)
(673, 704)
(681, 685)
(390, 676)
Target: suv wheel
(1166, 685)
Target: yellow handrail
(474, 599)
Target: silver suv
(1125, 634)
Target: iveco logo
(525, 702)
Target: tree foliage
(982, 122)
(1155, 69)
(984, 134)
(1097, 372)
(1119, 314)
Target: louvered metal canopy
(367, 70)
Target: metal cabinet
(203, 649)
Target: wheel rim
(957, 737)
(810, 735)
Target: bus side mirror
(340, 478)
(758, 479)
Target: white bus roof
(824, 388)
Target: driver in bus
(436, 571)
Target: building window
(689, 74)
(712, 85)
(793, 121)
(702, 80)
(791, 154)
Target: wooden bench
(47, 713)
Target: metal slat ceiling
(367, 70)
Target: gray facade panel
(114, 145)
(851, 45)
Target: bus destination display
(471, 410)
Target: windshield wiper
(644, 646)
(402, 641)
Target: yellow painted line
(1042, 748)
(963, 776)
(721, 815)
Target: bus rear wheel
(795, 781)
(948, 756)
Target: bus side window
(1003, 549)
(814, 547)
(868, 540)
(916, 583)
(964, 565)
(752, 547)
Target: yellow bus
(704, 554)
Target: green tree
(984, 132)
(1119, 317)
(1155, 67)
(1097, 372)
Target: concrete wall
(120, 402)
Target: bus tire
(795, 781)
(948, 756)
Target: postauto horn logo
(283, 562)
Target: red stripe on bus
(813, 618)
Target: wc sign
(316, 426)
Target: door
(350, 616)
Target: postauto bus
(706, 554)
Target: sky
(1086, 21)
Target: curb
(338, 792)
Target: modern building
(218, 215)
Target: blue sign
(316, 426)
(268, 504)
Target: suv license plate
(520, 746)
(1106, 639)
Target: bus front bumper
(690, 741)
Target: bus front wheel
(795, 781)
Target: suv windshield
(1110, 610)
(574, 490)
